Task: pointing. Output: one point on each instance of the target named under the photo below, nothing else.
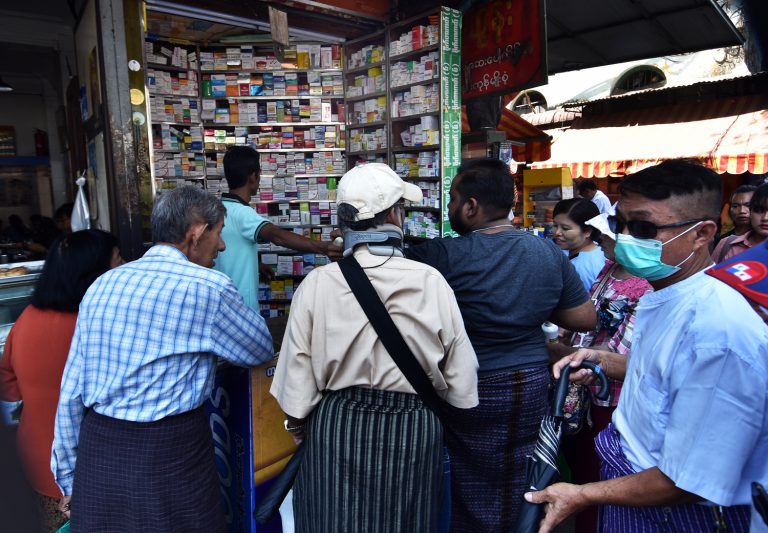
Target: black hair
(489, 182)
(759, 202)
(239, 163)
(73, 263)
(579, 210)
(742, 189)
(676, 178)
(346, 214)
(64, 210)
(586, 185)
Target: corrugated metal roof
(709, 83)
(592, 33)
(726, 134)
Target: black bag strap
(390, 336)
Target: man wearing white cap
(373, 449)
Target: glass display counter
(15, 292)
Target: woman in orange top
(36, 351)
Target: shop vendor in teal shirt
(244, 229)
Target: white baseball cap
(600, 223)
(372, 188)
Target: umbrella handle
(562, 386)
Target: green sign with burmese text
(450, 106)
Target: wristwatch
(292, 429)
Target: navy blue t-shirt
(507, 284)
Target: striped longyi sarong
(154, 477)
(689, 518)
(373, 464)
(488, 446)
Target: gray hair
(347, 213)
(177, 209)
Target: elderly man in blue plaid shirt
(132, 447)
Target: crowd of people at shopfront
(114, 361)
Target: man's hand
(650, 487)
(64, 506)
(613, 365)
(265, 272)
(580, 377)
(333, 251)
(560, 500)
(296, 426)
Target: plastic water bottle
(550, 331)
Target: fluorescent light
(4, 87)
(171, 8)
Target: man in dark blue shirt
(507, 283)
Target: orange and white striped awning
(729, 135)
(536, 141)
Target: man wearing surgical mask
(691, 429)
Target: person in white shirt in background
(588, 189)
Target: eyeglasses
(643, 229)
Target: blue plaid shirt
(146, 344)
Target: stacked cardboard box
(416, 100)
(372, 53)
(425, 133)
(172, 109)
(421, 224)
(418, 37)
(173, 83)
(427, 67)
(361, 140)
(421, 165)
(171, 137)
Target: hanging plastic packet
(81, 218)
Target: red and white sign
(503, 47)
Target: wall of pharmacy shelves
(399, 100)
(205, 98)
(306, 87)
(311, 117)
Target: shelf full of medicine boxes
(294, 118)
(177, 142)
(392, 89)
(297, 192)
(365, 91)
(314, 219)
(414, 107)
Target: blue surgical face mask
(642, 257)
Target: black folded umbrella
(760, 500)
(271, 501)
(541, 467)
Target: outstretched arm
(289, 239)
(647, 488)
